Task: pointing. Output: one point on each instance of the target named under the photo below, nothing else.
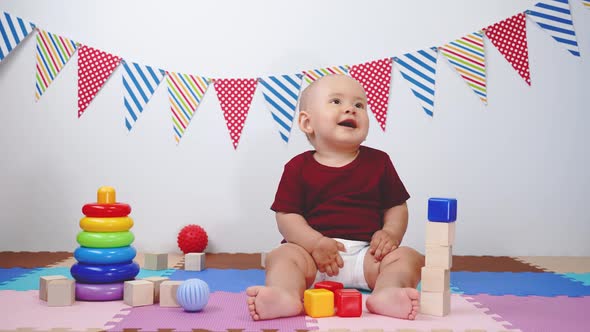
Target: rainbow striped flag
(281, 94)
(13, 31)
(419, 69)
(140, 83)
(185, 94)
(53, 53)
(314, 74)
(555, 18)
(467, 57)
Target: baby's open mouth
(350, 123)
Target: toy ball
(192, 238)
(193, 295)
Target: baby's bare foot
(394, 302)
(269, 302)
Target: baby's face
(337, 110)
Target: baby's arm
(395, 223)
(323, 250)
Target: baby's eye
(359, 105)
(335, 101)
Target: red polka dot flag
(375, 77)
(94, 68)
(509, 37)
(235, 96)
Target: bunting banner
(281, 94)
(13, 30)
(586, 3)
(53, 52)
(314, 74)
(185, 93)
(509, 37)
(140, 83)
(556, 19)
(94, 69)
(419, 69)
(235, 96)
(467, 56)
(375, 77)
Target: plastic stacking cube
(442, 209)
(349, 302)
(329, 285)
(318, 302)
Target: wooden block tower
(435, 297)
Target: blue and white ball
(193, 295)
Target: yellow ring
(116, 224)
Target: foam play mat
(488, 294)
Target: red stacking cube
(329, 285)
(348, 302)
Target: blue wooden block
(442, 209)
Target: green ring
(105, 240)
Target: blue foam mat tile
(7, 275)
(154, 273)
(519, 284)
(230, 280)
(30, 281)
(584, 278)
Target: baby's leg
(394, 282)
(289, 271)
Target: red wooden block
(329, 285)
(348, 302)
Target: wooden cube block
(43, 281)
(435, 279)
(61, 292)
(138, 293)
(440, 233)
(318, 302)
(194, 261)
(168, 290)
(156, 261)
(435, 303)
(157, 281)
(439, 256)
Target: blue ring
(104, 274)
(102, 256)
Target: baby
(342, 212)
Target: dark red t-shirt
(341, 202)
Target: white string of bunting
(466, 55)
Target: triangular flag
(586, 3)
(235, 96)
(556, 19)
(467, 56)
(53, 52)
(314, 74)
(281, 94)
(140, 83)
(13, 30)
(375, 77)
(509, 37)
(94, 69)
(419, 69)
(185, 93)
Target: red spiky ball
(192, 238)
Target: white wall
(518, 166)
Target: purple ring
(99, 292)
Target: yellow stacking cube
(318, 303)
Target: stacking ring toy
(106, 210)
(105, 240)
(99, 292)
(104, 274)
(118, 224)
(105, 255)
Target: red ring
(106, 210)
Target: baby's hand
(326, 256)
(382, 243)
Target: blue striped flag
(556, 19)
(140, 83)
(13, 30)
(281, 94)
(419, 69)
(586, 3)
(185, 94)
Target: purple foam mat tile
(223, 311)
(538, 313)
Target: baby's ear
(305, 123)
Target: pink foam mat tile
(464, 316)
(23, 309)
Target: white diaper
(352, 275)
